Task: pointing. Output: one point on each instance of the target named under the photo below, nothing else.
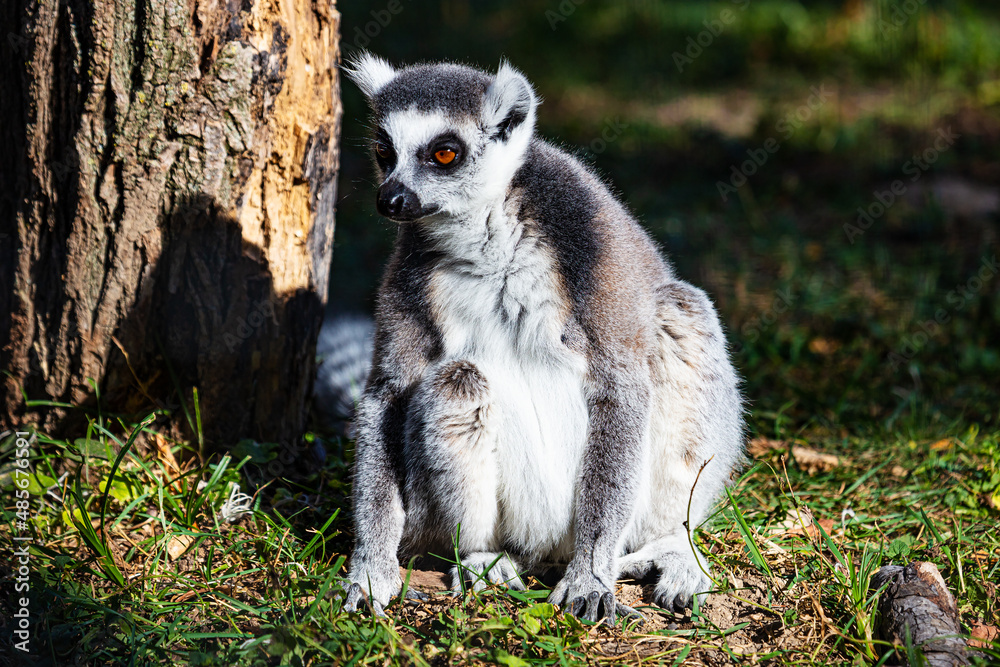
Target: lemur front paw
(372, 586)
(583, 595)
(485, 567)
(356, 594)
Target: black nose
(397, 201)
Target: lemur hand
(373, 587)
(356, 594)
(582, 594)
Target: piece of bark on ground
(916, 600)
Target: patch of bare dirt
(426, 581)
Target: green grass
(133, 564)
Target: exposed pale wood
(173, 177)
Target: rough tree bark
(169, 171)
(917, 607)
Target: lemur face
(447, 139)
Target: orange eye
(444, 156)
(382, 150)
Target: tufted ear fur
(510, 103)
(370, 73)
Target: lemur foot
(681, 579)
(485, 567)
(586, 597)
(416, 595)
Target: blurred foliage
(833, 330)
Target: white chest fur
(499, 304)
(498, 292)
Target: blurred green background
(813, 110)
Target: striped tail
(344, 351)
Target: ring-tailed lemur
(542, 383)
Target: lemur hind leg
(696, 425)
(451, 480)
(681, 571)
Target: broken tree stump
(916, 602)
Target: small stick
(687, 522)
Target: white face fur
(443, 159)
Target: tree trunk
(169, 171)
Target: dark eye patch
(384, 152)
(448, 141)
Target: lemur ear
(370, 73)
(510, 102)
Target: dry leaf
(188, 594)
(990, 502)
(812, 461)
(760, 446)
(826, 524)
(185, 596)
(823, 346)
(982, 635)
(808, 459)
(165, 455)
(177, 545)
(794, 519)
(801, 522)
(773, 549)
(944, 443)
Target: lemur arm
(378, 503)
(402, 347)
(619, 409)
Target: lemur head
(447, 138)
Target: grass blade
(756, 557)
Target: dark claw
(678, 605)
(628, 612)
(593, 606)
(416, 595)
(608, 603)
(354, 595)
(599, 607)
(675, 604)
